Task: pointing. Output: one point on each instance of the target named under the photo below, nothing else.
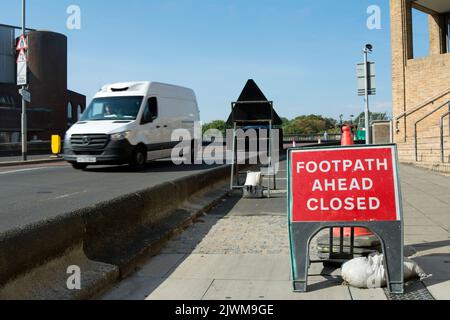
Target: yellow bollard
(56, 144)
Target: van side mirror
(147, 118)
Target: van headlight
(120, 136)
(67, 140)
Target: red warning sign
(21, 57)
(344, 184)
(22, 44)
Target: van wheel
(79, 166)
(139, 158)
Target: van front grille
(86, 142)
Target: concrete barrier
(115, 234)
(34, 148)
(28, 162)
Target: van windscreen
(113, 108)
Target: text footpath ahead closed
(351, 184)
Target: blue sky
(302, 53)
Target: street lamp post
(24, 104)
(368, 49)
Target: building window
(420, 34)
(69, 114)
(7, 101)
(79, 112)
(447, 31)
(10, 137)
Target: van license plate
(86, 159)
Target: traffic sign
(22, 73)
(355, 186)
(22, 56)
(22, 68)
(371, 82)
(352, 184)
(26, 95)
(22, 44)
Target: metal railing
(287, 138)
(418, 108)
(416, 149)
(442, 134)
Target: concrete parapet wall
(110, 236)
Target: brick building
(421, 85)
(53, 108)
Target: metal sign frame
(390, 233)
(234, 163)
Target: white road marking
(22, 170)
(64, 196)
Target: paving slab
(181, 289)
(424, 249)
(426, 230)
(439, 289)
(318, 289)
(234, 267)
(160, 265)
(419, 221)
(133, 288)
(424, 239)
(436, 264)
(318, 269)
(367, 294)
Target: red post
(347, 140)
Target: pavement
(35, 159)
(38, 192)
(239, 251)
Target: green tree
(216, 124)
(311, 124)
(284, 120)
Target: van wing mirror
(148, 118)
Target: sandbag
(253, 179)
(370, 273)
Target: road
(33, 193)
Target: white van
(130, 123)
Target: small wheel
(79, 166)
(139, 158)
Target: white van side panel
(177, 109)
(176, 114)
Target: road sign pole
(24, 104)
(366, 97)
